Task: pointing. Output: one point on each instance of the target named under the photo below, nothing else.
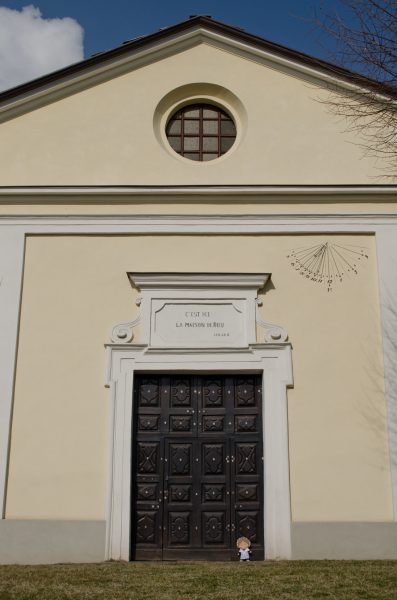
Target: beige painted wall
(76, 288)
(105, 135)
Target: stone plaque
(199, 323)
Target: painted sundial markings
(326, 262)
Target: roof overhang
(180, 37)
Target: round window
(201, 132)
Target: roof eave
(199, 22)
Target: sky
(42, 36)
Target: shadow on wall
(389, 311)
(377, 380)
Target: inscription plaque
(199, 323)
(196, 310)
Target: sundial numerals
(326, 263)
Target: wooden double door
(197, 480)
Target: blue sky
(107, 24)
(41, 36)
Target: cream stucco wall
(75, 288)
(105, 134)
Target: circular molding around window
(200, 122)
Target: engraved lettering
(200, 323)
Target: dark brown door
(198, 466)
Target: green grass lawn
(303, 580)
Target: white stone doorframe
(271, 360)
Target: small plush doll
(244, 552)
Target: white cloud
(31, 46)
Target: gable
(111, 133)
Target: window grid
(192, 138)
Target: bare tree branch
(365, 32)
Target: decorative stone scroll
(200, 310)
(273, 332)
(124, 332)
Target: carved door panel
(214, 509)
(179, 467)
(197, 474)
(214, 447)
(179, 530)
(247, 462)
(148, 470)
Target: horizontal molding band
(143, 190)
(198, 224)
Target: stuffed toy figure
(244, 552)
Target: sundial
(327, 263)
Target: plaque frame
(237, 289)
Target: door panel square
(247, 525)
(213, 493)
(247, 492)
(180, 392)
(148, 422)
(146, 527)
(179, 527)
(213, 423)
(180, 493)
(147, 491)
(180, 459)
(246, 459)
(181, 423)
(213, 459)
(214, 527)
(148, 455)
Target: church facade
(198, 310)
